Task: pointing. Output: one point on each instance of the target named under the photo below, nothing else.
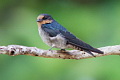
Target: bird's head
(44, 19)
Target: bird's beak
(39, 20)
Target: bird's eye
(44, 18)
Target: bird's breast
(58, 41)
(45, 37)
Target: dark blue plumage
(57, 36)
(53, 28)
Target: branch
(14, 50)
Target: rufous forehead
(40, 17)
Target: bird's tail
(97, 51)
(89, 52)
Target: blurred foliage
(93, 21)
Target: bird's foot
(63, 50)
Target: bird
(56, 36)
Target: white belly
(57, 41)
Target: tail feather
(97, 51)
(90, 53)
(74, 46)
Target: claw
(63, 50)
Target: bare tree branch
(14, 50)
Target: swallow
(56, 36)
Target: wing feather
(50, 30)
(71, 39)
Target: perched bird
(56, 36)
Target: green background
(97, 22)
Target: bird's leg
(50, 49)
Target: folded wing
(71, 39)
